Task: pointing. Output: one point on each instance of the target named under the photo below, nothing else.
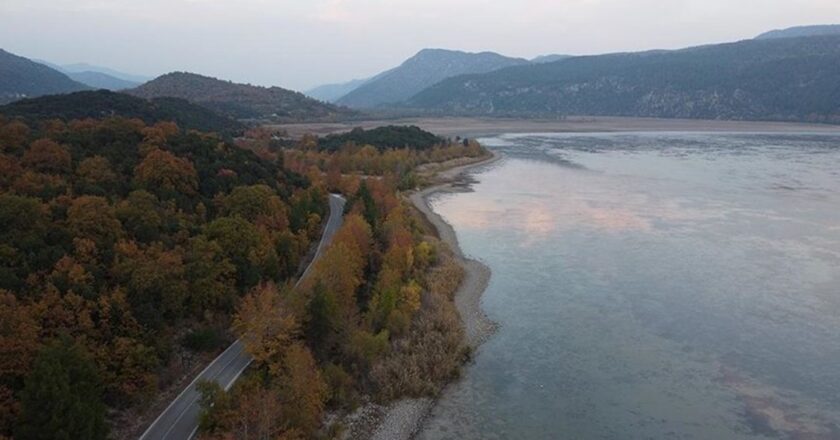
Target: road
(179, 421)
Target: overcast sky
(302, 43)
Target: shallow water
(681, 286)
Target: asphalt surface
(179, 421)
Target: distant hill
(23, 78)
(85, 67)
(769, 79)
(801, 31)
(102, 103)
(99, 80)
(332, 92)
(391, 136)
(426, 68)
(239, 101)
(550, 58)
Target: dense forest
(103, 104)
(126, 247)
(134, 252)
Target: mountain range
(774, 79)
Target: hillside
(99, 80)
(239, 101)
(542, 59)
(102, 103)
(801, 31)
(776, 79)
(22, 78)
(428, 67)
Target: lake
(653, 285)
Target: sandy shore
(401, 420)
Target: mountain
(549, 58)
(428, 67)
(22, 78)
(801, 31)
(239, 101)
(103, 103)
(99, 80)
(769, 79)
(332, 92)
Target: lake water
(661, 286)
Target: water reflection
(654, 286)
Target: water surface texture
(662, 286)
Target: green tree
(62, 396)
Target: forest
(134, 252)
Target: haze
(302, 43)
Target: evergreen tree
(61, 399)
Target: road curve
(179, 421)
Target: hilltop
(424, 69)
(239, 101)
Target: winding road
(179, 421)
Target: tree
(96, 170)
(46, 156)
(93, 218)
(303, 389)
(62, 396)
(166, 174)
(239, 239)
(212, 277)
(265, 325)
(13, 135)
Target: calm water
(662, 286)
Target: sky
(299, 44)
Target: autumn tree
(303, 390)
(97, 171)
(166, 174)
(92, 217)
(62, 396)
(45, 155)
(265, 325)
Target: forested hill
(22, 78)
(428, 67)
(239, 101)
(388, 137)
(775, 79)
(102, 103)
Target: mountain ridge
(21, 78)
(796, 79)
(239, 101)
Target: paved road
(179, 421)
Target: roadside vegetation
(374, 320)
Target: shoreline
(402, 420)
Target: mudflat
(476, 127)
